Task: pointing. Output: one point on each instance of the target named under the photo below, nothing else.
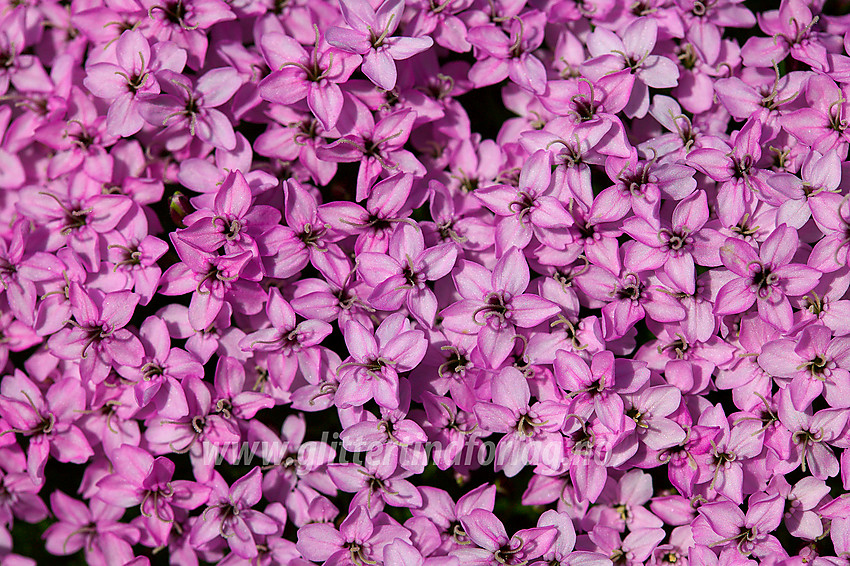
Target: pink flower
(494, 546)
(610, 54)
(97, 336)
(94, 528)
(532, 432)
(814, 364)
(315, 76)
(765, 278)
(130, 78)
(810, 434)
(596, 389)
(370, 34)
(724, 524)
(187, 110)
(381, 481)
(493, 302)
(139, 479)
(400, 277)
(47, 419)
(376, 360)
(379, 147)
(229, 514)
(529, 209)
(359, 537)
(509, 52)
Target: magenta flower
(724, 524)
(529, 209)
(23, 71)
(304, 236)
(22, 500)
(80, 141)
(391, 432)
(213, 281)
(509, 52)
(790, 28)
(561, 552)
(336, 297)
(450, 428)
(587, 445)
(593, 107)
(820, 177)
(202, 433)
(381, 481)
(765, 278)
(231, 400)
(629, 299)
(621, 504)
(803, 498)
(185, 23)
(157, 381)
(378, 146)
(596, 389)
(375, 222)
(744, 99)
(633, 549)
(723, 465)
(76, 213)
(294, 138)
(668, 246)
(286, 341)
(233, 223)
(20, 272)
(813, 363)
(300, 467)
(811, 434)
(735, 168)
(651, 408)
(439, 509)
(822, 125)
(643, 183)
(683, 469)
(357, 256)
(442, 21)
(135, 254)
(13, 175)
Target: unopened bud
(179, 208)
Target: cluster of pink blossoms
(270, 298)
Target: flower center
(742, 166)
(496, 307)
(763, 280)
(151, 370)
(526, 426)
(311, 237)
(456, 364)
